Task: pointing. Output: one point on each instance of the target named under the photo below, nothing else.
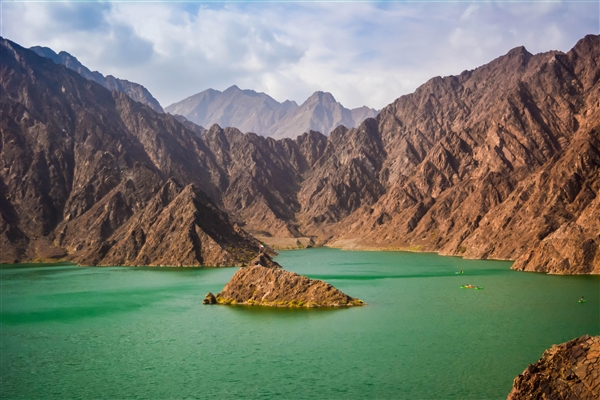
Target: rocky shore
(263, 282)
(567, 371)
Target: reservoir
(143, 333)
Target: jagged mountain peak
(320, 96)
(518, 51)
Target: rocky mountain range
(250, 111)
(499, 162)
(134, 90)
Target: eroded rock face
(263, 282)
(567, 371)
(178, 227)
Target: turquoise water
(140, 333)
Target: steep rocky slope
(500, 162)
(94, 176)
(134, 90)
(263, 282)
(250, 111)
(567, 371)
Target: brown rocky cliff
(178, 227)
(568, 371)
(263, 282)
(262, 179)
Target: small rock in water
(209, 299)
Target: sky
(363, 52)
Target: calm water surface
(143, 333)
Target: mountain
(250, 111)
(95, 177)
(501, 162)
(320, 112)
(134, 90)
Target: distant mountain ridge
(134, 90)
(251, 111)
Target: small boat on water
(471, 287)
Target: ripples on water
(70, 332)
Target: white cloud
(364, 53)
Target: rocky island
(567, 371)
(263, 282)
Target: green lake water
(143, 333)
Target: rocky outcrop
(568, 371)
(134, 90)
(263, 282)
(93, 176)
(209, 299)
(250, 111)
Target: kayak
(471, 287)
(582, 301)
